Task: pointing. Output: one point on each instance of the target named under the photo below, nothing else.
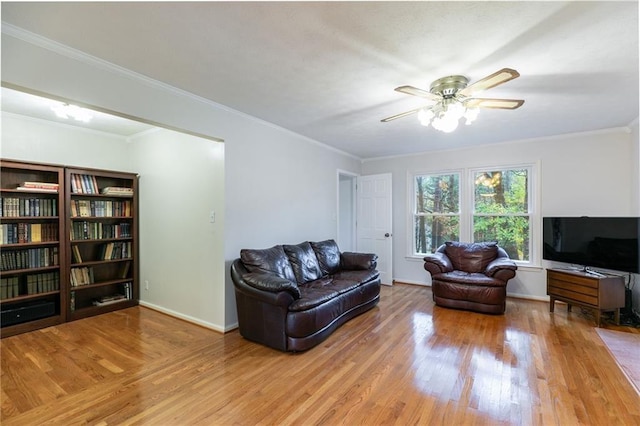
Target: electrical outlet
(146, 284)
(212, 217)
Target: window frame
(467, 206)
(413, 207)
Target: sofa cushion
(271, 260)
(358, 276)
(471, 257)
(328, 255)
(358, 261)
(303, 261)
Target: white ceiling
(327, 70)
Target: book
(108, 300)
(22, 188)
(39, 185)
(116, 191)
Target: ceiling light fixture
(446, 114)
(67, 111)
(455, 99)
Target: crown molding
(514, 141)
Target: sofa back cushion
(304, 262)
(328, 256)
(272, 260)
(471, 257)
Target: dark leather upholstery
(292, 297)
(471, 276)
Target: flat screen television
(598, 242)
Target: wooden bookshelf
(32, 279)
(69, 244)
(101, 212)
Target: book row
(28, 207)
(84, 184)
(99, 231)
(100, 208)
(35, 283)
(29, 258)
(116, 250)
(19, 233)
(81, 276)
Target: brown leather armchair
(471, 276)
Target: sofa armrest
(437, 263)
(350, 261)
(501, 264)
(271, 283)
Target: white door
(374, 231)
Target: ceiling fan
(454, 99)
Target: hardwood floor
(404, 362)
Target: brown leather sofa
(470, 276)
(292, 297)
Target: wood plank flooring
(404, 362)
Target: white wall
(30, 139)
(181, 250)
(279, 186)
(583, 174)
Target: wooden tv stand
(586, 290)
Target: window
(495, 204)
(501, 209)
(436, 215)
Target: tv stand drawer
(586, 290)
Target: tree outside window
(501, 210)
(436, 212)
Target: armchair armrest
(437, 263)
(501, 264)
(350, 261)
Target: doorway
(346, 216)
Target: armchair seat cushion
(470, 278)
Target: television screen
(599, 242)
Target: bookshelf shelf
(30, 297)
(42, 206)
(33, 256)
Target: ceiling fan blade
(404, 114)
(414, 91)
(490, 81)
(493, 103)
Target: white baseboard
(401, 281)
(188, 318)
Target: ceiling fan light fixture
(453, 97)
(470, 115)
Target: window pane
(511, 233)
(438, 194)
(502, 191)
(432, 231)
